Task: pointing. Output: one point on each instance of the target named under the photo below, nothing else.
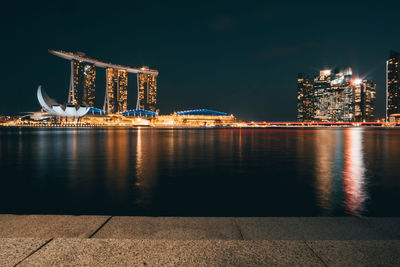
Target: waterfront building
(82, 83)
(82, 91)
(322, 95)
(364, 100)
(55, 109)
(336, 97)
(305, 97)
(393, 87)
(116, 97)
(147, 91)
(341, 104)
(196, 117)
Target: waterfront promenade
(54, 240)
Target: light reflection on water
(354, 172)
(324, 167)
(340, 170)
(211, 172)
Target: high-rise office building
(393, 86)
(337, 97)
(116, 98)
(83, 82)
(364, 100)
(341, 106)
(305, 97)
(322, 95)
(147, 91)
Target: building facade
(322, 96)
(116, 98)
(147, 92)
(364, 100)
(341, 105)
(393, 86)
(337, 97)
(305, 97)
(83, 83)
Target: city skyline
(203, 62)
(335, 96)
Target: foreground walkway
(53, 240)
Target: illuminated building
(393, 86)
(322, 96)
(83, 74)
(197, 117)
(139, 113)
(341, 104)
(116, 98)
(336, 97)
(364, 100)
(305, 97)
(55, 109)
(147, 91)
(82, 84)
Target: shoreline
(125, 240)
(270, 126)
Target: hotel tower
(393, 87)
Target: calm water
(201, 172)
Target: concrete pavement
(52, 240)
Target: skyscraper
(147, 91)
(364, 100)
(336, 97)
(83, 82)
(116, 98)
(393, 86)
(341, 106)
(305, 97)
(322, 95)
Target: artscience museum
(54, 108)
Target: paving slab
(386, 226)
(122, 252)
(358, 253)
(48, 226)
(173, 228)
(14, 250)
(308, 228)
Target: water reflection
(201, 172)
(340, 171)
(147, 153)
(354, 172)
(326, 162)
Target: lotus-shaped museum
(52, 107)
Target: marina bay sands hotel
(82, 83)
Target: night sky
(239, 57)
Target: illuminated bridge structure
(115, 100)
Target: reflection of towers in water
(117, 164)
(340, 169)
(82, 83)
(116, 97)
(147, 153)
(147, 91)
(354, 172)
(327, 168)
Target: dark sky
(239, 57)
